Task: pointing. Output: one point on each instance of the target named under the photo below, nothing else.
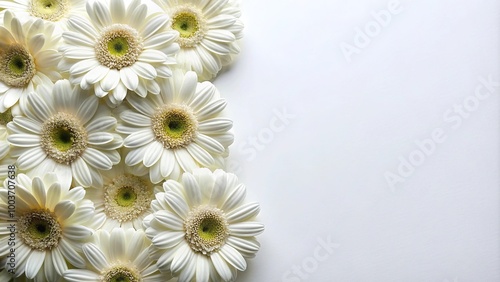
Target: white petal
(139, 138)
(70, 253)
(111, 80)
(97, 159)
(233, 257)
(87, 109)
(64, 209)
(24, 140)
(144, 70)
(81, 275)
(177, 203)
(117, 9)
(243, 213)
(182, 257)
(95, 256)
(118, 244)
(153, 154)
(221, 267)
(129, 78)
(202, 269)
(81, 172)
(166, 240)
(215, 125)
(96, 75)
(185, 160)
(200, 155)
(134, 118)
(188, 87)
(209, 144)
(31, 158)
(246, 229)
(34, 263)
(104, 123)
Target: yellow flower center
(206, 229)
(63, 138)
(40, 230)
(191, 25)
(50, 10)
(174, 126)
(17, 66)
(119, 46)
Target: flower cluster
(113, 142)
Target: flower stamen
(17, 66)
(119, 46)
(174, 126)
(206, 229)
(40, 230)
(191, 25)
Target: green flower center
(119, 46)
(121, 274)
(127, 197)
(40, 230)
(206, 229)
(50, 10)
(63, 138)
(174, 126)
(191, 25)
(17, 66)
(186, 24)
(6, 117)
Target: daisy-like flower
(28, 58)
(124, 200)
(50, 227)
(120, 48)
(202, 229)
(178, 130)
(53, 12)
(208, 31)
(65, 130)
(121, 255)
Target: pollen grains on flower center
(17, 66)
(63, 138)
(191, 25)
(119, 46)
(127, 197)
(50, 10)
(121, 274)
(206, 229)
(174, 125)
(39, 229)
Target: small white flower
(28, 59)
(202, 228)
(121, 255)
(124, 200)
(208, 31)
(65, 130)
(51, 226)
(122, 47)
(178, 130)
(54, 12)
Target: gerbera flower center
(121, 274)
(174, 126)
(63, 138)
(119, 46)
(206, 229)
(127, 197)
(50, 10)
(40, 230)
(191, 25)
(6, 117)
(17, 66)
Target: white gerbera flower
(54, 12)
(178, 130)
(120, 48)
(124, 200)
(50, 227)
(28, 58)
(122, 255)
(208, 30)
(65, 130)
(202, 229)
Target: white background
(323, 175)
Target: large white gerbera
(121, 255)
(124, 200)
(65, 130)
(179, 130)
(54, 12)
(50, 227)
(120, 48)
(202, 229)
(28, 58)
(208, 30)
